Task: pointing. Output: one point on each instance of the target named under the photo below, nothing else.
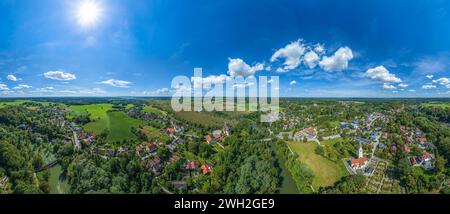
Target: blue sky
(317, 48)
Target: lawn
(203, 118)
(331, 141)
(438, 104)
(326, 171)
(155, 134)
(20, 102)
(154, 110)
(117, 122)
(119, 125)
(98, 114)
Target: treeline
(18, 158)
(245, 166)
(94, 175)
(300, 172)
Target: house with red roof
(359, 163)
(192, 165)
(206, 168)
(170, 131)
(208, 139)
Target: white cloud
(311, 59)
(162, 91)
(281, 70)
(158, 92)
(270, 81)
(237, 67)
(59, 75)
(22, 86)
(388, 86)
(428, 86)
(337, 62)
(447, 86)
(380, 73)
(442, 81)
(12, 78)
(402, 85)
(319, 48)
(3, 87)
(116, 83)
(430, 76)
(412, 90)
(94, 91)
(68, 92)
(210, 80)
(291, 53)
(46, 89)
(293, 82)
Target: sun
(89, 13)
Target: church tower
(360, 151)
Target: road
(76, 141)
(375, 145)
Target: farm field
(20, 102)
(326, 171)
(98, 115)
(117, 122)
(206, 119)
(154, 110)
(444, 105)
(119, 126)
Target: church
(361, 161)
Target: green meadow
(326, 171)
(444, 105)
(118, 123)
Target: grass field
(117, 122)
(438, 104)
(119, 125)
(326, 171)
(154, 110)
(20, 102)
(98, 115)
(155, 134)
(202, 118)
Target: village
(371, 139)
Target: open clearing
(117, 122)
(326, 171)
(438, 104)
(120, 124)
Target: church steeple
(360, 151)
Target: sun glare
(88, 13)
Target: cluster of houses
(193, 166)
(307, 133)
(148, 151)
(414, 136)
(87, 138)
(425, 160)
(218, 135)
(353, 125)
